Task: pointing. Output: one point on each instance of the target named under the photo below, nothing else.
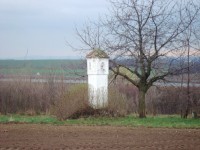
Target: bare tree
(144, 32)
(191, 46)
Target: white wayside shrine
(98, 70)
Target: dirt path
(27, 136)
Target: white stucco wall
(98, 90)
(97, 66)
(97, 70)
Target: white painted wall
(97, 70)
(97, 66)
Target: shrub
(73, 101)
(117, 103)
(160, 100)
(171, 100)
(74, 104)
(26, 97)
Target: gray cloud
(43, 25)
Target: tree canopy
(145, 32)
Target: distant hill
(40, 57)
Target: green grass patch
(129, 121)
(29, 119)
(44, 67)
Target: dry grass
(71, 101)
(74, 100)
(30, 98)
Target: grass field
(129, 121)
(44, 67)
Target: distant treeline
(180, 64)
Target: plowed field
(29, 136)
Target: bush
(171, 100)
(117, 103)
(73, 101)
(26, 97)
(130, 92)
(18, 97)
(159, 100)
(74, 104)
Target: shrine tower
(98, 70)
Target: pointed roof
(97, 53)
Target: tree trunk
(188, 82)
(142, 106)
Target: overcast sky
(43, 26)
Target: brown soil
(28, 136)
